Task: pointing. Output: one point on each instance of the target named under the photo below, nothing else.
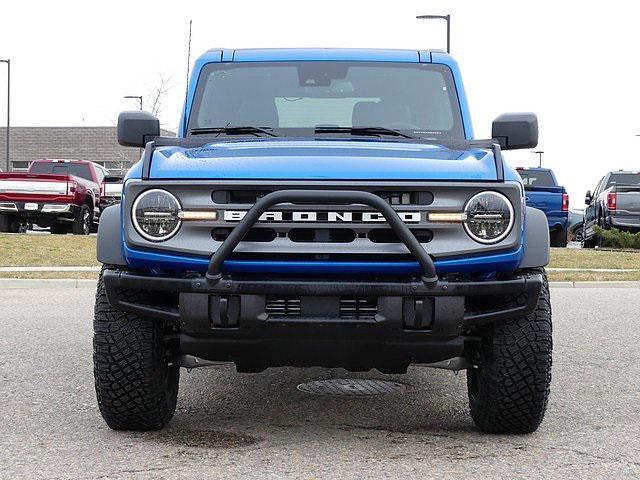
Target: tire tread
(509, 391)
(135, 388)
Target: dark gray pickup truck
(614, 203)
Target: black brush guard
(214, 273)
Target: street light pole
(539, 153)
(139, 97)
(440, 17)
(8, 62)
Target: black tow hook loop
(429, 281)
(213, 279)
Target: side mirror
(136, 128)
(588, 197)
(516, 130)
(112, 179)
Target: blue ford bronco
(324, 208)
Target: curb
(605, 270)
(17, 283)
(49, 269)
(585, 284)
(23, 283)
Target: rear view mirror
(136, 128)
(516, 130)
(588, 197)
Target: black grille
(257, 234)
(331, 235)
(350, 308)
(249, 196)
(283, 306)
(386, 235)
(407, 197)
(358, 308)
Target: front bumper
(405, 321)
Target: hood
(322, 160)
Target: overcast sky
(573, 63)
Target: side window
(79, 170)
(598, 189)
(99, 173)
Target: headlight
(155, 215)
(489, 217)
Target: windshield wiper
(232, 130)
(363, 131)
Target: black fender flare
(89, 195)
(110, 237)
(536, 239)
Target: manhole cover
(351, 386)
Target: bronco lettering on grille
(322, 216)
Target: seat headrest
(257, 113)
(366, 114)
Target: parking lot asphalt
(231, 425)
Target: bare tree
(124, 163)
(157, 95)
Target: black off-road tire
(509, 390)
(136, 387)
(5, 223)
(559, 238)
(9, 224)
(588, 242)
(82, 223)
(59, 229)
(577, 234)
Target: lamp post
(139, 97)
(539, 153)
(440, 17)
(8, 62)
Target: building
(96, 144)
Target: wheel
(508, 392)
(59, 229)
(559, 238)
(82, 223)
(587, 242)
(136, 387)
(602, 223)
(577, 234)
(9, 224)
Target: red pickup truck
(62, 194)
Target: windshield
(295, 98)
(537, 178)
(624, 179)
(59, 168)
